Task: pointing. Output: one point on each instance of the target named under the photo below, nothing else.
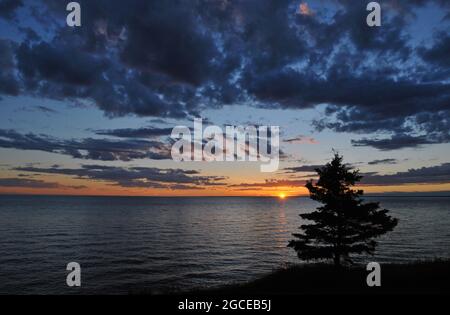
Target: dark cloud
(61, 64)
(136, 133)
(88, 148)
(171, 40)
(167, 59)
(8, 8)
(303, 168)
(385, 40)
(8, 82)
(138, 177)
(132, 144)
(438, 174)
(33, 183)
(365, 104)
(429, 128)
(301, 140)
(147, 58)
(46, 109)
(439, 54)
(426, 175)
(395, 142)
(383, 161)
(159, 121)
(30, 34)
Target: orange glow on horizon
(282, 192)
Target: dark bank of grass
(432, 277)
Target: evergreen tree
(343, 225)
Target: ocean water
(135, 244)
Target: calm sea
(128, 244)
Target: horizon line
(385, 194)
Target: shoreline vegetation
(421, 277)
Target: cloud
(46, 109)
(439, 53)
(303, 168)
(132, 144)
(165, 60)
(33, 183)
(438, 174)
(395, 142)
(301, 140)
(134, 177)
(429, 128)
(158, 121)
(60, 64)
(8, 8)
(136, 133)
(88, 148)
(8, 82)
(383, 161)
(158, 65)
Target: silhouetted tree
(344, 225)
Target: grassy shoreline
(424, 277)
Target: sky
(89, 110)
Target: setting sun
(281, 195)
